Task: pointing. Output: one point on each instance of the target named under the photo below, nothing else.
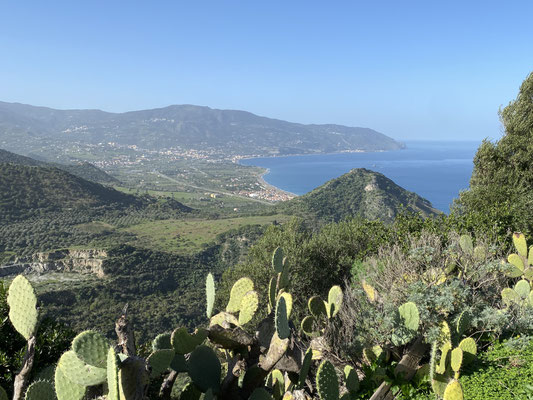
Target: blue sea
(435, 170)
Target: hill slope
(84, 170)
(229, 132)
(360, 192)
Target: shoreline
(262, 181)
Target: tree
(501, 186)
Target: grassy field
(190, 235)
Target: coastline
(263, 182)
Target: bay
(436, 170)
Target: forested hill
(228, 132)
(360, 192)
(83, 170)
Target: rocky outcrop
(89, 261)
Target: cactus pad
(40, 390)
(22, 306)
(131, 375)
(281, 320)
(160, 361)
(519, 241)
(239, 289)
(469, 348)
(334, 301)
(288, 302)
(453, 391)
(79, 372)
(327, 383)
(480, 253)
(463, 323)
(223, 319)
(509, 296)
(516, 261)
(456, 359)
(277, 260)
(91, 348)
(306, 366)
(351, 380)
(178, 363)
(308, 325)
(162, 341)
(522, 288)
(112, 374)
(184, 343)
(68, 390)
(316, 307)
(271, 294)
(248, 307)
(409, 315)
(204, 369)
(209, 294)
(444, 350)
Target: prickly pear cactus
(334, 301)
(79, 372)
(453, 391)
(162, 341)
(409, 315)
(521, 263)
(288, 302)
(92, 348)
(465, 242)
(307, 325)
(306, 366)
(281, 320)
(248, 307)
(184, 343)
(327, 383)
(469, 348)
(209, 294)
(351, 380)
(22, 303)
(239, 289)
(277, 260)
(160, 361)
(40, 390)
(316, 306)
(204, 369)
(112, 374)
(68, 390)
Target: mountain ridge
(230, 132)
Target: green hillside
(83, 170)
(359, 192)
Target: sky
(430, 70)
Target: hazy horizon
(414, 71)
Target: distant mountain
(186, 126)
(26, 191)
(360, 192)
(83, 170)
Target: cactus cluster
(521, 262)
(444, 374)
(321, 310)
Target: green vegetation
(501, 187)
(361, 193)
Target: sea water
(436, 170)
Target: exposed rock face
(88, 261)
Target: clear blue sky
(424, 69)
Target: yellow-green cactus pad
(239, 289)
(334, 301)
(453, 391)
(79, 372)
(248, 307)
(112, 374)
(66, 389)
(22, 303)
(210, 294)
(409, 315)
(519, 241)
